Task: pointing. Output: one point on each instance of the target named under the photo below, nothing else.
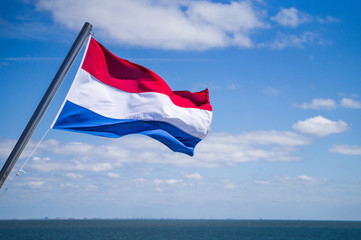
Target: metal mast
(45, 102)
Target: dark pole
(44, 103)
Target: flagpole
(45, 102)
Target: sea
(147, 229)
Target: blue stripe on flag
(79, 119)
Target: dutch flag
(113, 97)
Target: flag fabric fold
(113, 97)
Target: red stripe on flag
(130, 77)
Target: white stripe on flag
(110, 102)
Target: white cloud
(34, 184)
(308, 179)
(346, 149)
(36, 158)
(228, 184)
(350, 103)
(320, 126)
(329, 104)
(172, 181)
(169, 181)
(183, 24)
(224, 149)
(72, 165)
(83, 150)
(329, 19)
(113, 175)
(69, 148)
(162, 24)
(7, 145)
(271, 137)
(291, 17)
(301, 179)
(158, 189)
(290, 40)
(318, 103)
(193, 176)
(286, 180)
(161, 184)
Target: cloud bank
(163, 24)
(217, 150)
(183, 24)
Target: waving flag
(113, 97)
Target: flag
(113, 97)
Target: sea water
(179, 229)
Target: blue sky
(284, 81)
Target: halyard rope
(22, 167)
